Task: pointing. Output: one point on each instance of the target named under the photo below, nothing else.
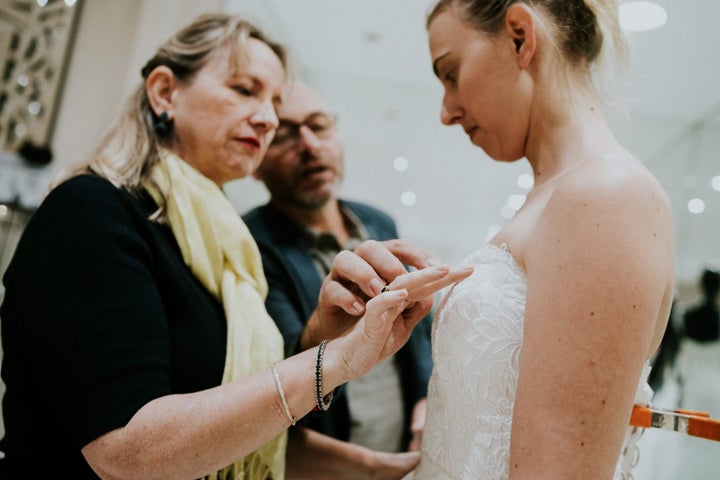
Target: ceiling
(370, 61)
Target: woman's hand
(333, 459)
(417, 425)
(391, 466)
(388, 321)
(359, 276)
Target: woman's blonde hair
(130, 147)
(586, 33)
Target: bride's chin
(505, 157)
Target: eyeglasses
(287, 135)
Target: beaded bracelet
(280, 390)
(323, 403)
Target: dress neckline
(504, 252)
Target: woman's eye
(449, 77)
(242, 90)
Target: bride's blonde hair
(585, 34)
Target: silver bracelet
(285, 405)
(323, 403)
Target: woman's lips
(251, 142)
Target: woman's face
(224, 119)
(486, 92)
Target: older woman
(135, 336)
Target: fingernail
(432, 262)
(358, 307)
(376, 285)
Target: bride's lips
(471, 131)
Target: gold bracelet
(285, 405)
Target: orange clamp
(689, 422)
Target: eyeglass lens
(288, 132)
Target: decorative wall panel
(35, 41)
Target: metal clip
(696, 424)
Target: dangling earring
(162, 125)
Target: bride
(542, 352)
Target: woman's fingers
(334, 294)
(411, 254)
(349, 268)
(367, 341)
(374, 264)
(423, 283)
(357, 276)
(391, 466)
(381, 312)
(416, 311)
(384, 262)
(390, 257)
(351, 272)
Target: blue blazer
(293, 294)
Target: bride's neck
(563, 138)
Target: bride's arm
(598, 270)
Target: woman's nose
(450, 114)
(265, 117)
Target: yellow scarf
(218, 248)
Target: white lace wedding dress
(477, 339)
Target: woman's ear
(520, 25)
(160, 86)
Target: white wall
(113, 41)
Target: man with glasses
(299, 232)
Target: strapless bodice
(477, 341)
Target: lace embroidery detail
(477, 339)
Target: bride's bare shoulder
(618, 182)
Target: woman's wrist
(335, 371)
(309, 337)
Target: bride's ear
(520, 25)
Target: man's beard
(317, 198)
(313, 199)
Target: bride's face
(485, 90)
